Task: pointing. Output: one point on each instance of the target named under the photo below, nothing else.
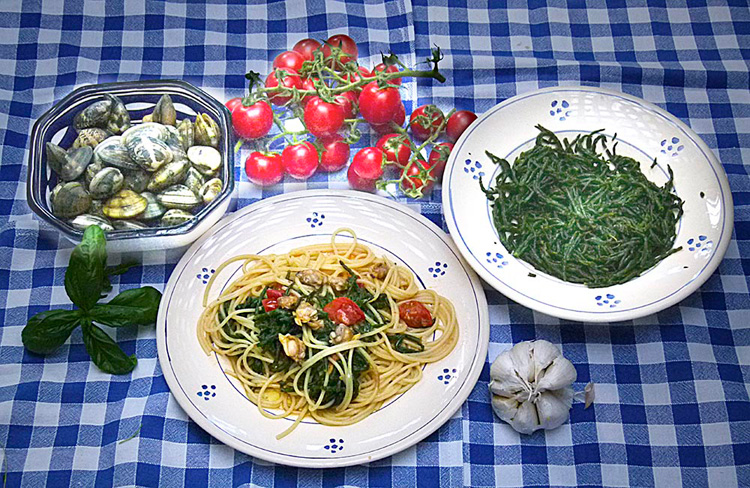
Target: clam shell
(164, 111)
(54, 193)
(95, 115)
(83, 221)
(206, 131)
(147, 130)
(179, 196)
(205, 159)
(194, 180)
(90, 137)
(112, 152)
(126, 204)
(91, 170)
(150, 154)
(106, 182)
(170, 174)
(119, 118)
(70, 200)
(136, 180)
(210, 190)
(175, 217)
(97, 208)
(187, 134)
(68, 165)
(154, 209)
(128, 225)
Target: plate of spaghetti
(322, 329)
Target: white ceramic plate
(277, 225)
(644, 132)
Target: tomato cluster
(330, 94)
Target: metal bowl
(139, 97)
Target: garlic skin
(531, 386)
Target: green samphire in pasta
(580, 212)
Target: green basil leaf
(120, 268)
(84, 279)
(105, 352)
(46, 331)
(131, 307)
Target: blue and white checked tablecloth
(672, 397)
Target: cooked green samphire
(580, 212)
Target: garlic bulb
(531, 386)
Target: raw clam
(179, 196)
(97, 208)
(106, 182)
(168, 175)
(148, 130)
(119, 118)
(128, 225)
(187, 134)
(194, 180)
(175, 217)
(112, 152)
(83, 221)
(164, 111)
(210, 190)
(68, 165)
(154, 209)
(126, 204)
(206, 131)
(205, 159)
(150, 154)
(136, 180)
(91, 170)
(70, 200)
(54, 193)
(95, 115)
(90, 137)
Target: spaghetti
(329, 331)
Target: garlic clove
(505, 379)
(544, 353)
(526, 419)
(553, 408)
(523, 360)
(560, 374)
(504, 407)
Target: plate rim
(590, 317)
(412, 438)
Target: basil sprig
(86, 282)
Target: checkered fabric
(672, 403)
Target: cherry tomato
(335, 153)
(458, 122)
(291, 80)
(390, 69)
(366, 168)
(307, 48)
(274, 293)
(348, 47)
(424, 121)
(355, 77)
(349, 102)
(289, 60)
(415, 314)
(253, 121)
(343, 310)
(438, 158)
(307, 84)
(264, 169)
(398, 118)
(416, 176)
(300, 160)
(233, 103)
(396, 149)
(323, 118)
(378, 105)
(271, 302)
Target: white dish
(284, 222)
(644, 132)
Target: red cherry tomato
(233, 103)
(291, 80)
(307, 84)
(273, 293)
(378, 105)
(343, 310)
(424, 121)
(398, 118)
(366, 168)
(289, 60)
(307, 48)
(415, 314)
(300, 160)
(349, 102)
(416, 176)
(323, 118)
(355, 77)
(458, 122)
(438, 158)
(335, 153)
(253, 121)
(396, 149)
(348, 47)
(390, 69)
(264, 169)
(271, 302)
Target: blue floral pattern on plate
(316, 219)
(473, 168)
(334, 445)
(448, 375)
(672, 146)
(205, 275)
(438, 269)
(497, 259)
(607, 300)
(207, 392)
(559, 110)
(700, 244)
